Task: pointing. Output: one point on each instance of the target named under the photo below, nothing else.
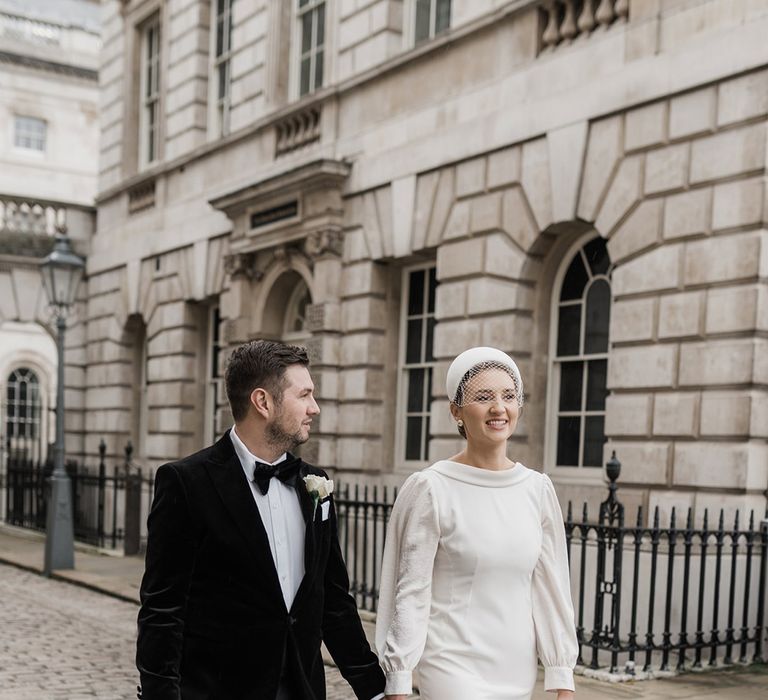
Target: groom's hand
(395, 697)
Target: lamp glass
(62, 271)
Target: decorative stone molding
(242, 265)
(328, 241)
(141, 196)
(315, 315)
(298, 130)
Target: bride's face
(490, 409)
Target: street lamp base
(60, 537)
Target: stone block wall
(154, 314)
(491, 169)
(685, 217)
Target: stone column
(324, 248)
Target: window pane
(422, 20)
(442, 15)
(416, 390)
(29, 133)
(425, 444)
(596, 384)
(575, 280)
(569, 330)
(430, 357)
(598, 317)
(413, 342)
(571, 379)
(223, 69)
(304, 83)
(220, 36)
(318, 70)
(306, 32)
(416, 292)
(594, 438)
(597, 255)
(320, 26)
(568, 441)
(432, 289)
(413, 439)
(303, 2)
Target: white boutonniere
(319, 488)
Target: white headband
(473, 357)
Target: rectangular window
(432, 18)
(222, 62)
(29, 133)
(311, 20)
(417, 361)
(149, 118)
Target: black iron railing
(696, 594)
(646, 596)
(105, 500)
(363, 513)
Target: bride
(475, 583)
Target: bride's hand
(565, 695)
(395, 697)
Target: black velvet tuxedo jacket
(213, 623)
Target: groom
(244, 574)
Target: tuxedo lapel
(310, 537)
(226, 472)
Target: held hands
(395, 697)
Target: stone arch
(42, 360)
(273, 294)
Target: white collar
(246, 457)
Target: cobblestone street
(63, 641)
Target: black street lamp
(62, 271)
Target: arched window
(580, 357)
(296, 329)
(24, 405)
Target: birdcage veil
(481, 375)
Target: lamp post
(62, 271)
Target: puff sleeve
(552, 606)
(406, 582)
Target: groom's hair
(260, 364)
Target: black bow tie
(287, 471)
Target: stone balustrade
(29, 30)
(565, 20)
(298, 130)
(31, 216)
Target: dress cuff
(399, 683)
(558, 678)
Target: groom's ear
(262, 402)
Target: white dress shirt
(283, 520)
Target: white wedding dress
(475, 586)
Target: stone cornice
(49, 66)
(316, 174)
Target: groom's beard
(282, 438)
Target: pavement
(72, 636)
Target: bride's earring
(460, 423)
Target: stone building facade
(49, 133)
(389, 182)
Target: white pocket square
(325, 509)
